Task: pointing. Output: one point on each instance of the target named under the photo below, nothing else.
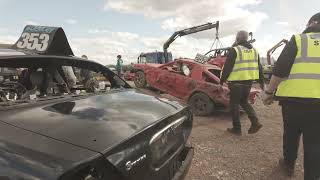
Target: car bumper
(176, 168)
(186, 157)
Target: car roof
(208, 66)
(211, 66)
(14, 58)
(10, 52)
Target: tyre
(140, 79)
(201, 104)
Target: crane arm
(271, 51)
(187, 31)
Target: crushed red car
(195, 83)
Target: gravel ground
(219, 155)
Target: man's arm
(286, 59)
(228, 66)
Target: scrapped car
(216, 57)
(196, 81)
(156, 58)
(50, 130)
(193, 82)
(147, 58)
(128, 76)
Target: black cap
(315, 17)
(119, 56)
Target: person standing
(85, 74)
(241, 69)
(70, 76)
(119, 65)
(296, 76)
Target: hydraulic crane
(267, 69)
(187, 31)
(271, 51)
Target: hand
(267, 98)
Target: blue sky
(104, 28)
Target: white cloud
(297, 13)
(97, 31)
(30, 22)
(8, 39)
(179, 14)
(282, 23)
(71, 21)
(105, 45)
(3, 29)
(173, 15)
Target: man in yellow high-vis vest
(296, 76)
(241, 69)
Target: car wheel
(201, 104)
(140, 79)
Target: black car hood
(95, 122)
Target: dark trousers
(302, 119)
(119, 72)
(239, 94)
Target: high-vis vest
(304, 78)
(246, 66)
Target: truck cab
(154, 57)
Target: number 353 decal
(34, 41)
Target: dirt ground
(219, 155)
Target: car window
(208, 79)
(216, 72)
(151, 58)
(174, 68)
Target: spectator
(119, 65)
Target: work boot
(235, 131)
(254, 128)
(287, 168)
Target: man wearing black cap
(296, 76)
